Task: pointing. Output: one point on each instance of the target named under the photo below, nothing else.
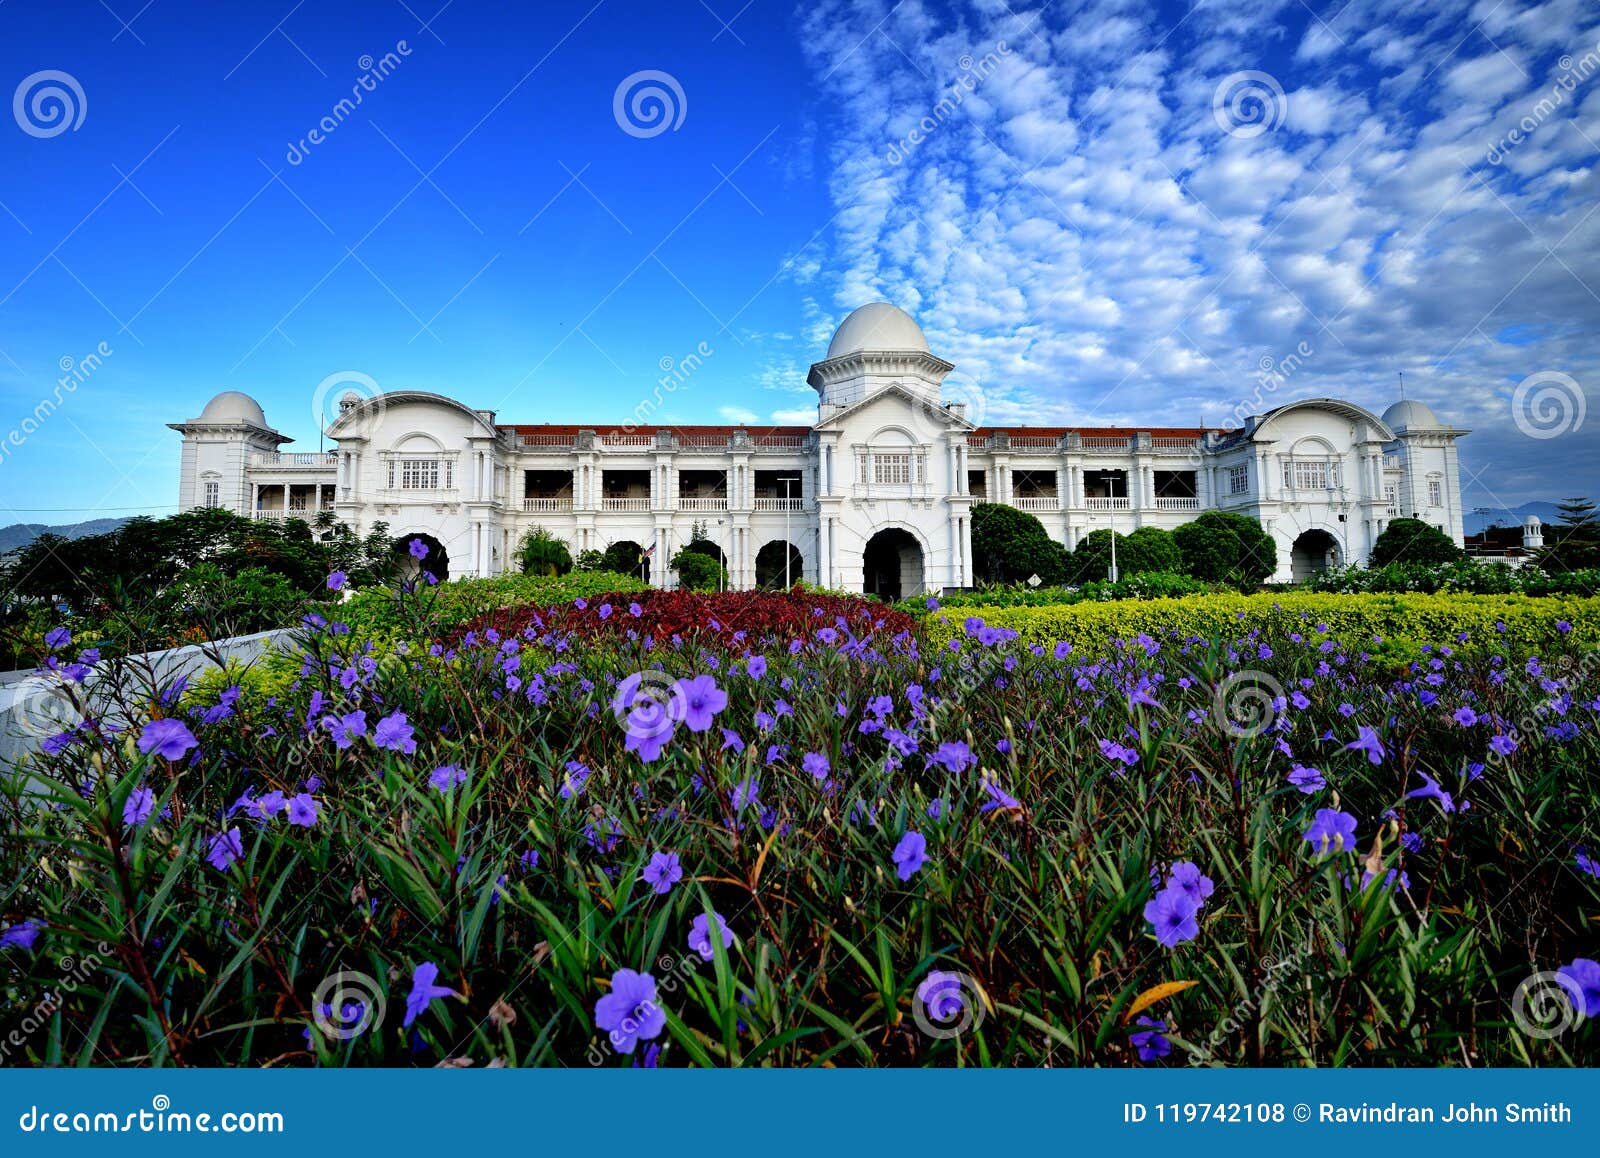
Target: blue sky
(1101, 212)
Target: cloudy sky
(1103, 213)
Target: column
(824, 552)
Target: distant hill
(21, 534)
(1475, 521)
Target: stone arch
(1314, 551)
(777, 569)
(435, 562)
(894, 564)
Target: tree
(1413, 541)
(625, 558)
(1222, 547)
(1144, 550)
(698, 571)
(590, 560)
(1010, 546)
(541, 553)
(1573, 542)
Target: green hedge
(1402, 622)
(379, 610)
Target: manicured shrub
(1010, 546)
(698, 571)
(1387, 624)
(1146, 585)
(1146, 549)
(1412, 541)
(1222, 547)
(393, 612)
(728, 618)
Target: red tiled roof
(1101, 431)
(572, 429)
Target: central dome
(877, 326)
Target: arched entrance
(1313, 553)
(435, 560)
(891, 565)
(778, 569)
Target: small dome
(1409, 415)
(877, 326)
(232, 406)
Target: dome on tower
(1410, 415)
(230, 407)
(877, 326)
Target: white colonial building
(876, 495)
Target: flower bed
(617, 847)
(730, 618)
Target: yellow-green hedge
(1403, 621)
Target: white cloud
(1084, 241)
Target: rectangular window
(891, 469)
(1435, 493)
(1310, 476)
(419, 474)
(213, 494)
(1238, 480)
(1389, 497)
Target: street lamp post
(788, 544)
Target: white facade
(877, 495)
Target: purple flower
(629, 1013)
(1503, 745)
(336, 581)
(394, 733)
(663, 871)
(345, 729)
(940, 994)
(141, 803)
(1307, 780)
(303, 810)
(816, 764)
(168, 738)
(1149, 1042)
(1367, 741)
(1465, 716)
(424, 989)
(419, 551)
(756, 666)
(1430, 787)
(1581, 979)
(1112, 750)
(1186, 875)
(998, 797)
(909, 855)
(57, 638)
(646, 737)
(700, 935)
(1332, 830)
(699, 699)
(225, 848)
(23, 934)
(442, 778)
(953, 755)
(1172, 917)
